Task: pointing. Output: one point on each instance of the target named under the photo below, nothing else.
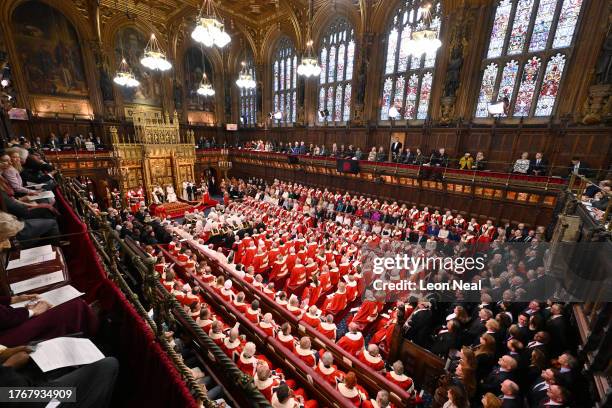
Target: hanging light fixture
(209, 29)
(425, 38)
(245, 80)
(124, 76)
(206, 89)
(154, 57)
(309, 66)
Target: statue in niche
(453, 71)
(178, 95)
(603, 68)
(362, 81)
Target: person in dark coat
(418, 327)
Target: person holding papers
(93, 383)
(39, 320)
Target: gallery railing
(168, 312)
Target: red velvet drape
(152, 378)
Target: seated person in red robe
(216, 332)
(328, 370)
(305, 353)
(353, 341)
(253, 311)
(398, 377)
(232, 344)
(351, 390)
(368, 311)
(267, 324)
(328, 327)
(381, 401)
(247, 362)
(312, 317)
(285, 337)
(239, 303)
(205, 319)
(284, 397)
(40, 321)
(371, 358)
(336, 302)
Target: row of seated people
(67, 142)
(24, 175)
(384, 218)
(538, 166)
(38, 320)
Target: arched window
(528, 49)
(336, 57)
(285, 81)
(248, 97)
(407, 79)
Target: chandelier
(309, 66)
(209, 29)
(245, 80)
(125, 76)
(154, 58)
(205, 88)
(424, 38)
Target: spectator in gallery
(334, 150)
(53, 142)
(539, 165)
(349, 152)
(480, 163)
(323, 151)
(381, 156)
(407, 157)
(439, 158)
(67, 142)
(372, 154)
(419, 158)
(358, 154)
(593, 189)
(466, 162)
(522, 165)
(302, 149)
(579, 167)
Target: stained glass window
(285, 81)
(408, 78)
(336, 58)
(248, 97)
(517, 68)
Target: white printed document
(65, 352)
(55, 297)
(21, 262)
(37, 282)
(37, 251)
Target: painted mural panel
(193, 65)
(130, 43)
(48, 47)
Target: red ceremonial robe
(352, 343)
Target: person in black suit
(477, 328)
(511, 397)
(447, 339)
(396, 149)
(418, 327)
(579, 167)
(557, 327)
(538, 166)
(504, 371)
(407, 157)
